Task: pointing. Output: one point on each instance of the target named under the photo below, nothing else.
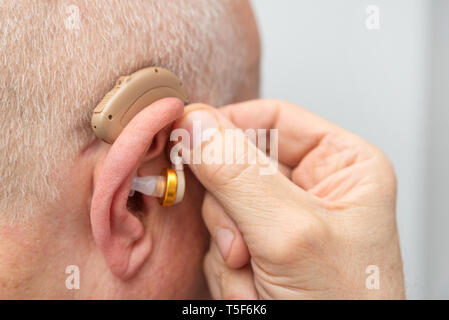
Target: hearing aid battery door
(130, 95)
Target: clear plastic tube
(156, 185)
(150, 185)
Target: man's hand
(310, 232)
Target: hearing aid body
(129, 96)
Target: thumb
(231, 167)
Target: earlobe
(120, 235)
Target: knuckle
(207, 263)
(276, 102)
(224, 175)
(228, 159)
(386, 174)
(211, 265)
(207, 206)
(388, 168)
(213, 268)
(303, 237)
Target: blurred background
(380, 69)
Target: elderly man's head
(58, 58)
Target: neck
(33, 260)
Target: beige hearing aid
(129, 96)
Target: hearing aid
(130, 95)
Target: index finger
(299, 131)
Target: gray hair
(58, 58)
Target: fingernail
(224, 238)
(201, 125)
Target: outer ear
(117, 232)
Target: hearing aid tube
(168, 187)
(150, 186)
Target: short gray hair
(59, 58)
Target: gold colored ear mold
(130, 95)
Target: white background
(390, 86)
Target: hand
(309, 232)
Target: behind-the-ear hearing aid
(129, 96)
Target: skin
(312, 228)
(308, 231)
(125, 249)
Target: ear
(117, 232)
